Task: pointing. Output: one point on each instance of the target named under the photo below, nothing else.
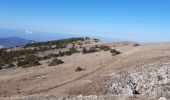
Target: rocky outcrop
(152, 79)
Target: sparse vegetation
(78, 69)
(91, 50)
(73, 50)
(55, 62)
(115, 52)
(136, 44)
(10, 65)
(84, 50)
(1, 65)
(105, 48)
(29, 61)
(25, 56)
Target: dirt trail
(108, 63)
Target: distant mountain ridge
(14, 41)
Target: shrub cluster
(91, 50)
(115, 52)
(10, 65)
(136, 44)
(105, 48)
(61, 53)
(7, 57)
(55, 62)
(73, 50)
(29, 61)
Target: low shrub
(105, 48)
(26, 64)
(32, 58)
(68, 53)
(29, 61)
(78, 69)
(73, 50)
(10, 65)
(84, 50)
(22, 63)
(115, 52)
(91, 50)
(55, 62)
(136, 44)
(46, 57)
(1, 64)
(60, 54)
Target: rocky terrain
(86, 69)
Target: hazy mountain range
(16, 37)
(33, 35)
(13, 41)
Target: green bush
(68, 53)
(32, 58)
(22, 63)
(78, 69)
(29, 61)
(26, 64)
(73, 50)
(55, 62)
(60, 54)
(115, 52)
(105, 48)
(91, 50)
(136, 44)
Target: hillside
(13, 41)
(84, 68)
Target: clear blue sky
(138, 20)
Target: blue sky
(136, 20)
